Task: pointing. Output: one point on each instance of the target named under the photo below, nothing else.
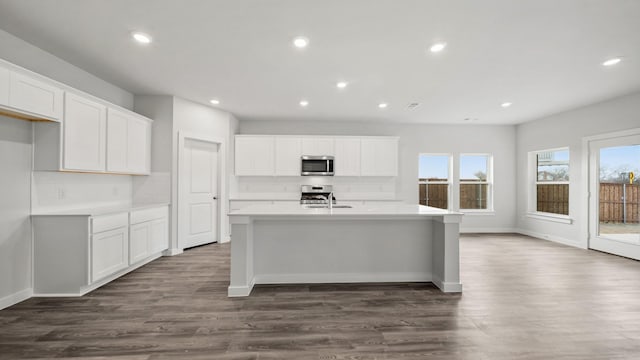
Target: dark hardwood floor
(523, 299)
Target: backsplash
(345, 188)
(52, 191)
(155, 188)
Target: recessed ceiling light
(215, 101)
(612, 61)
(383, 105)
(437, 47)
(142, 38)
(341, 84)
(300, 42)
(304, 103)
(505, 104)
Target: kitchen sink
(327, 206)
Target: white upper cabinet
(379, 157)
(35, 97)
(139, 146)
(117, 123)
(347, 156)
(128, 143)
(254, 155)
(288, 152)
(5, 80)
(84, 134)
(317, 145)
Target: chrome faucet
(330, 200)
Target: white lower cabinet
(109, 253)
(75, 254)
(139, 242)
(148, 233)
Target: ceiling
(544, 56)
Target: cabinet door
(347, 153)
(35, 96)
(139, 237)
(159, 235)
(379, 157)
(288, 152)
(317, 146)
(254, 155)
(117, 141)
(138, 146)
(84, 134)
(109, 253)
(5, 80)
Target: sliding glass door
(615, 196)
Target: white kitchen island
(290, 244)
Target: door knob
(215, 198)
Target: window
(434, 180)
(476, 192)
(551, 181)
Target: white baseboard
(484, 230)
(448, 287)
(331, 278)
(15, 298)
(240, 291)
(172, 252)
(226, 239)
(549, 237)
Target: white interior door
(198, 199)
(614, 205)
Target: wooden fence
(435, 195)
(472, 196)
(554, 198)
(612, 204)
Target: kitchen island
(293, 244)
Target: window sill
(478, 212)
(563, 219)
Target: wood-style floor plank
(523, 299)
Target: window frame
(532, 203)
(489, 182)
(449, 181)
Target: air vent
(413, 105)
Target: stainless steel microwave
(317, 165)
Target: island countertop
(369, 211)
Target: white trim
(538, 215)
(15, 298)
(221, 174)
(551, 238)
(488, 230)
(478, 212)
(335, 278)
(447, 287)
(172, 252)
(240, 291)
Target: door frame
(221, 175)
(589, 173)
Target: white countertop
(383, 210)
(96, 211)
(296, 197)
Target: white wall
(54, 191)
(416, 139)
(567, 130)
(21, 53)
(156, 188)
(193, 118)
(15, 222)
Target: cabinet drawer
(109, 222)
(140, 216)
